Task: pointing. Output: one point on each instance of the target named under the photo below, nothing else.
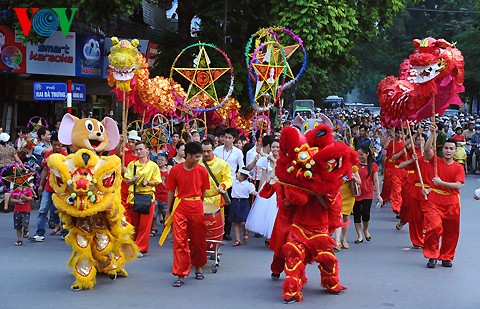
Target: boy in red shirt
(21, 197)
(190, 180)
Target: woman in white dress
(262, 215)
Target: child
(160, 194)
(241, 189)
(21, 197)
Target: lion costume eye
(89, 125)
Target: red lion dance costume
(432, 76)
(310, 170)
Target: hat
(4, 137)
(193, 131)
(134, 135)
(244, 171)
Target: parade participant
(348, 200)
(399, 178)
(190, 180)
(241, 190)
(87, 196)
(261, 149)
(173, 145)
(441, 138)
(415, 200)
(234, 157)
(160, 195)
(143, 176)
(368, 172)
(389, 188)
(442, 215)
(45, 190)
(21, 197)
(179, 157)
(195, 136)
(220, 171)
(129, 154)
(8, 155)
(264, 211)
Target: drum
(214, 221)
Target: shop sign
(89, 62)
(55, 56)
(12, 52)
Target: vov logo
(45, 22)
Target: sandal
(178, 283)
(245, 238)
(199, 276)
(236, 243)
(18, 243)
(267, 242)
(54, 232)
(345, 245)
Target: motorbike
(461, 155)
(475, 153)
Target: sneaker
(25, 233)
(290, 300)
(37, 238)
(140, 255)
(275, 276)
(18, 243)
(431, 263)
(447, 263)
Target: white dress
(264, 211)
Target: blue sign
(79, 92)
(89, 60)
(49, 91)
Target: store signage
(45, 22)
(79, 92)
(49, 91)
(89, 54)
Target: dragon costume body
(310, 171)
(87, 196)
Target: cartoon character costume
(87, 195)
(310, 169)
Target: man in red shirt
(46, 192)
(398, 177)
(190, 180)
(442, 216)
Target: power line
(443, 11)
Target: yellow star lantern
(268, 72)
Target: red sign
(152, 52)
(12, 52)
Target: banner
(142, 48)
(89, 62)
(12, 52)
(56, 56)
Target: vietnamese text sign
(49, 91)
(79, 92)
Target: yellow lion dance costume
(87, 195)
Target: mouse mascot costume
(87, 195)
(310, 170)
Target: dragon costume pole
(206, 127)
(124, 126)
(416, 162)
(435, 169)
(143, 121)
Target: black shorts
(20, 219)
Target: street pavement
(382, 273)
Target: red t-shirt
(390, 152)
(450, 173)
(426, 169)
(160, 191)
(367, 186)
(459, 138)
(16, 194)
(128, 157)
(48, 187)
(172, 152)
(188, 184)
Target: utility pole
(225, 22)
